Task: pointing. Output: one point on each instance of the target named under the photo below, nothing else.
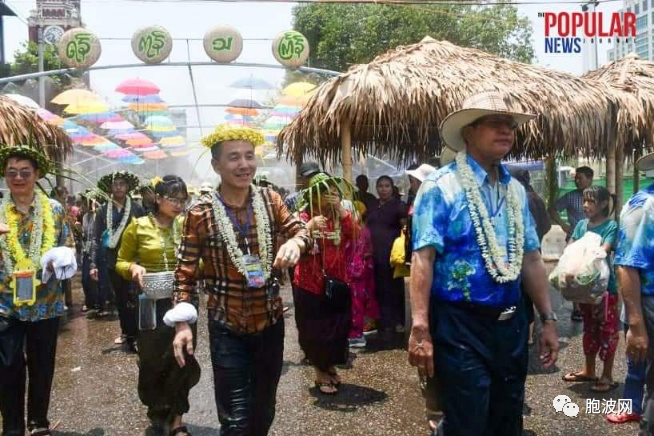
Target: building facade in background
(55, 17)
(643, 44)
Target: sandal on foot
(333, 374)
(578, 377)
(41, 431)
(181, 430)
(321, 385)
(602, 386)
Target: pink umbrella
(133, 135)
(120, 152)
(137, 87)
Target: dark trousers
(482, 366)
(647, 423)
(126, 303)
(390, 295)
(246, 372)
(89, 286)
(26, 346)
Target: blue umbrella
(252, 83)
(154, 98)
(165, 134)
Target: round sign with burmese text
(79, 48)
(291, 49)
(152, 44)
(223, 44)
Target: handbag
(336, 292)
(159, 285)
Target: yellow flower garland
(13, 219)
(225, 132)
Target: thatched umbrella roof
(635, 77)
(20, 125)
(396, 103)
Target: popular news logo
(566, 31)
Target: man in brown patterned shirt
(234, 231)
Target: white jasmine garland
(490, 251)
(264, 233)
(114, 236)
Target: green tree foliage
(342, 35)
(26, 60)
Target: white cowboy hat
(646, 164)
(473, 108)
(421, 172)
(447, 156)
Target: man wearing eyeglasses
(474, 243)
(32, 224)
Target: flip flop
(604, 386)
(576, 377)
(321, 385)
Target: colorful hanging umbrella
(178, 153)
(145, 148)
(298, 89)
(165, 134)
(152, 98)
(173, 140)
(137, 142)
(163, 129)
(101, 117)
(119, 152)
(77, 97)
(23, 101)
(137, 87)
(252, 83)
(285, 111)
(154, 155)
(96, 107)
(242, 111)
(106, 147)
(276, 123)
(92, 140)
(148, 107)
(246, 103)
(289, 100)
(117, 125)
(132, 160)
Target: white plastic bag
(582, 274)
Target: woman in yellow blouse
(149, 246)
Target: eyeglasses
(23, 174)
(180, 202)
(497, 123)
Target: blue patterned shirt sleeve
(429, 222)
(636, 235)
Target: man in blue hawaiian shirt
(474, 243)
(634, 261)
(28, 329)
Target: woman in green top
(601, 332)
(149, 245)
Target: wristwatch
(551, 316)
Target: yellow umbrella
(289, 100)
(180, 153)
(173, 140)
(95, 107)
(161, 128)
(77, 97)
(298, 89)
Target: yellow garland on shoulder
(225, 132)
(13, 219)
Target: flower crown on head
(42, 162)
(155, 181)
(226, 132)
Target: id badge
(254, 271)
(24, 284)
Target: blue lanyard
(243, 231)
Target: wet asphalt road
(95, 388)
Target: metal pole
(39, 30)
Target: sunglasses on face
(497, 122)
(23, 174)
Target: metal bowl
(158, 285)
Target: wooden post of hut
(346, 148)
(636, 172)
(619, 180)
(610, 169)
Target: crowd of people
(466, 242)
